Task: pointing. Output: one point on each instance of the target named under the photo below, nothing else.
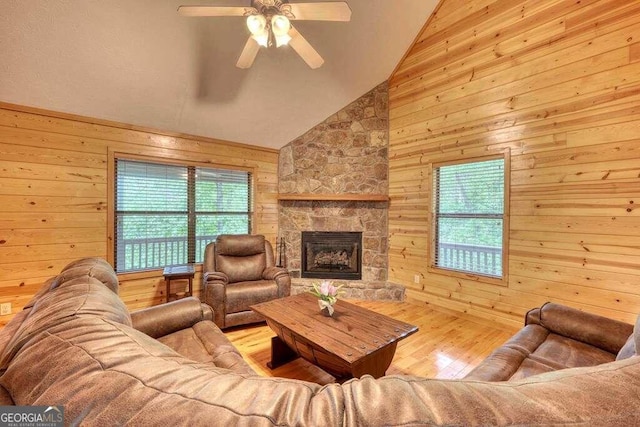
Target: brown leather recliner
(238, 271)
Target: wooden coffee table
(353, 342)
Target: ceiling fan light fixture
(282, 40)
(257, 24)
(269, 23)
(262, 39)
(280, 26)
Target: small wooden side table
(178, 272)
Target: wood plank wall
(53, 194)
(558, 83)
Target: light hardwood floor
(445, 346)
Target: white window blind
(222, 205)
(469, 217)
(166, 214)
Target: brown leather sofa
(75, 346)
(557, 337)
(239, 271)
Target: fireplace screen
(332, 255)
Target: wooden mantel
(335, 197)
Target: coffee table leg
(280, 353)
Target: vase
(326, 308)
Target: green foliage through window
(166, 214)
(469, 216)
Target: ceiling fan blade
(215, 11)
(327, 11)
(304, 49)
(248, 54)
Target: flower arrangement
(327, 295)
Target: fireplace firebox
(332, 255)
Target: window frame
(433, 268)
(167, 159)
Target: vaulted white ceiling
(140, 62)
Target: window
(470, 223)
(166, 214)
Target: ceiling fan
(269, 24)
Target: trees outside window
(469, 222)
(166, 214)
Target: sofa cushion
(5, 397)
(242, 295)
(630, 348)
(241, 257)
(530, 367)
(240, 269)
(206, 343)
(507, 359)
(9, 330)
(96, 268)
(78, 297)
(557, 352)
(602, 332)
(564, 352)
(240, 245)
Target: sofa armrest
(532, 316)
(598, 331)
(272, 273)
(215, 276)
(281, 277)
(213, 295)
(164, 319)
(207, 312)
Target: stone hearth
(345, 155)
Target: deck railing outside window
(164, 214)
(470, 216)
(485, 260)
(158, 253)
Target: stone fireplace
(331, 255)
(334, 178)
